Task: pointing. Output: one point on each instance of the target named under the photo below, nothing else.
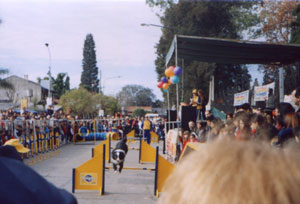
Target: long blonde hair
(234, 173)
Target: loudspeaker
(173, 117)
(188, 113)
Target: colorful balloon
(160, 84)
(169, 82)
(172, 67)
(165, 86)
(169, 72)
(175, 79)
(164, 80)
(177, 71)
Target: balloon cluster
(172, 77)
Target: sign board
(171, 144)
(24, 104)
(101, 113)
(261, 92)
(241, 98)
(48, 102)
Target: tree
(135, 95)
(295, 33)
(79, 101)
(157, 104)
(61, 84)
(82, 102)
(209, 19)
(278, 18)
(109, 104)
(3, 83)
(139, 113)
(89, 75)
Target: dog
(119, 154)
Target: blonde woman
(235, 173)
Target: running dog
(118, 155)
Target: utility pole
(49, 72)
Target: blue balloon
(164, 79)
(177, 71)
(175, 79)
(166, 90)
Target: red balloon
(172, 67)
(160, 84)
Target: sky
(125, 50)
(123, 47)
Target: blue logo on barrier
(88, 178)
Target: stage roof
(228, 51)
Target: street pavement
(129, 187)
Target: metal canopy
(232, 51)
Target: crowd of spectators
(16, 124)
(277, 126)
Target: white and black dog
(118, 154)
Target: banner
(261, 92)
(171, 144)
(241, 98)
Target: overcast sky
(123, 47)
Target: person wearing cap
(195, 102)
(21, 184)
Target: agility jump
(91, 175)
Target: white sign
(261, 92)
(101, 113)
(241, 98)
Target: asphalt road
(129, 187)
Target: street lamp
(49, 72)
(115, 77)
(160, 26)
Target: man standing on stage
(195, 102)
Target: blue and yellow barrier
(99, 149)
(146, 153)
(90, 175)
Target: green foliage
(3, 83)
(295, 33)
(89, 75)
(139, 113)
(208, 19)
(82, 102)
(61, 84)
(108, 103)
(135, 95)
(157, 104)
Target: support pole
(176, 64)
(281, 85)
(182, 82)
(156, 171)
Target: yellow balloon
(165, 86)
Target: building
(23, 89)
